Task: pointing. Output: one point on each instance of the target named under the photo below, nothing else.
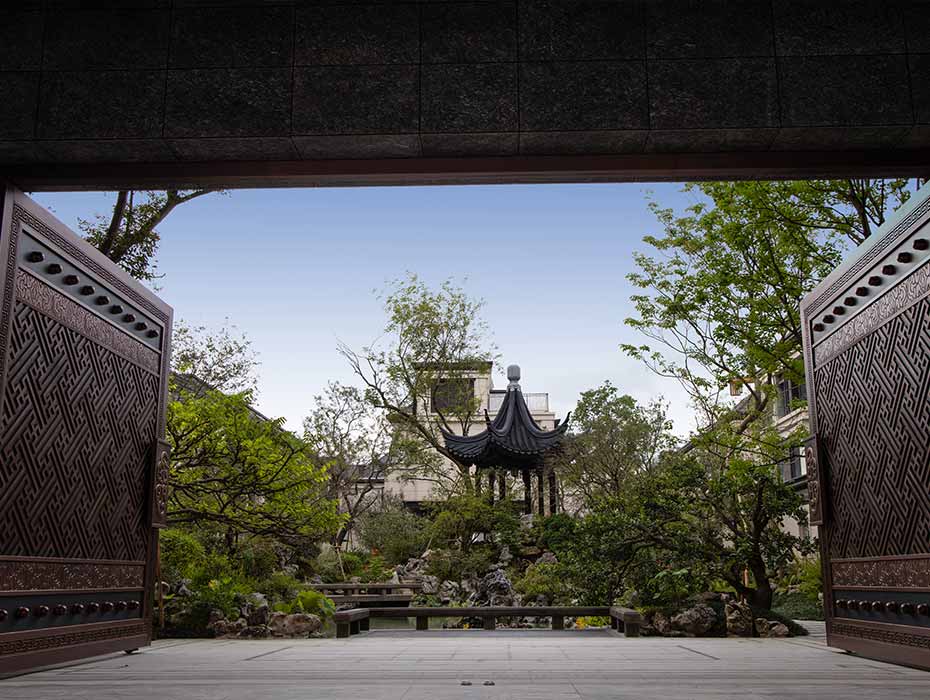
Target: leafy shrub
(556, 531)
(364, 566)
(309, 601)
(455, 565)
(396, 534)
(258, 559)
(546, 580)
(797, 606)
(463, 522)
(221, 594)
(181, 555)
(280, 587)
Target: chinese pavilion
(513, 443)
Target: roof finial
(513, 374)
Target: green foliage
(456, 565)
(807, 574)
(612, 439)
(462, 522)
(433, 339)
(396, 534)
(258, 558)
(181, 554)
(545, 579)
(238, 471)
(797, 606)
(556, 531)
(280, 587)
(720, 307)
(336, 567)
(221, 594)
(128, 236)
(311, 602)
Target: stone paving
(522, 664)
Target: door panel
(867, 348)
(83, 367)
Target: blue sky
(295, 269)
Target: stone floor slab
(521, 664)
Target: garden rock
(696, 621)
(259, 616)
(430, 585)
(661, 623)
(255, 632)
(769, 628)
(276, 623)
(215, 616)
(739, 619)
(301, 625)
(494, 589)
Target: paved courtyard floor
(522, 664)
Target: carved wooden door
(83, 367)
(867, 355)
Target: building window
(453, 394)
(789, 395)
(795, 467)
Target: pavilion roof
(512, 440)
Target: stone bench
(349, 622)
(626, 620)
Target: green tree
(234, 471)
(612, 439)
(354, 438)
(432, 341)
(720, 306)
(396, 533)
(128, 236)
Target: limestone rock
(276, 623)
(259, 616)
(255, 632)
(696, 621)
(301, 625)
(430, 585)
(661, 623)
(769, 628)
(494, 589)
(739, 619)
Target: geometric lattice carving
(77, 426)
(873, 416)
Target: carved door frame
(867, 359)
(66, 605)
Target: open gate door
(83, 469)
(867, 357)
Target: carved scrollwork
(25, 575)
(160, 484)
(814, 481)
(907, 572)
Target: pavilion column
(553, 494)
(541, 494)
(478, 482)
(491, 477)
(502, 484)
(527, 493)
